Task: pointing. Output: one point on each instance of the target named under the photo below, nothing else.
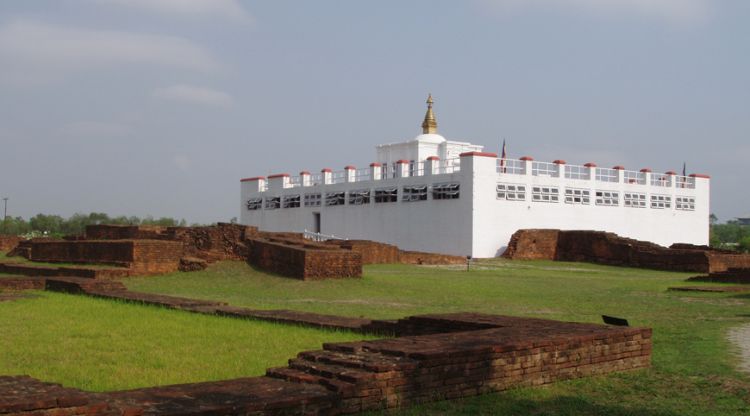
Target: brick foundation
(373, 252)
(9, 242)
(608, 248)
(474, 354)
(304, 260)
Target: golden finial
(429, 125)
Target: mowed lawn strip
(102, 345)
(693, 366)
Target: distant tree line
(731, 235)
(57, 226)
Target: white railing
(607, 175)
(633, 177)
(338, 176)
(661, 179)
(545, 169)
(311, 235)
(511, 166)
(450, 166)
(684, 182)
(362, 175)
(503, 167)
(577, 172)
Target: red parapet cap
(558, 162)
(618, 167)
(256, 178)
(526, 158)
(699, 175)
(479, 154)
(670, 172)
(403, 161)
(304, 172)
(590, 165)
(279, 175)
(645, 170)
(433, 158)
(350, 167)
(375, 164)
(326, 170)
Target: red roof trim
(618, 167)
(558, 162)
(480, 154)
(590, 165)
(374, 164)
(529, 158)
(304, 172)
(350, 167)
(699, 175)
(279, 175)
(326, 170)
(670, 172)
(256, 178)
(645, 170)
(402, 161)
(433, 158)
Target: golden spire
(429, 125)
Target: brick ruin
(9, 242)
(611, 249)
(432, 357)
(148, 250)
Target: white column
(327, 176)
(528, 161)
(620, 173)
(254, 185)
(376, 170)
(351, 173)
(278, 181)
(304, 178)
(432, 165)
(402, 168)
(592, 171)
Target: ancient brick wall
(220, 242)
(9, 242)
(418, 257)
(609, 248)
(124, 232)
(119, 252)
(371, 252)
(304, 260)
(532, 245)
(155, 257)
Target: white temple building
(437, 195)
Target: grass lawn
(693, 366)
(99, 345)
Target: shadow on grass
(500, 404)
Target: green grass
(693, 368)
(101, 345)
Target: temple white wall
(478, 223)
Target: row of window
(357, 197)
(516, 192)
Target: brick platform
(9, 242)
(303, 259)
(609, 248)
(740, 276)
(499, 353)
(42, 271)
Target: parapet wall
(304, 261)
(373, 252)
(124, 232)
(609, 248)
(141, 256)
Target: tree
(713, 219)
(744, 245)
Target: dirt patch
(740, 337)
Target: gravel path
(740, 337)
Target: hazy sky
(159, 107)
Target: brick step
(369, 361)
(35, 270)
(298, 376)
(173, 302)
(19, 283)
(335, 372)
(82, 285)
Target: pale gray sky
(159, 107)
